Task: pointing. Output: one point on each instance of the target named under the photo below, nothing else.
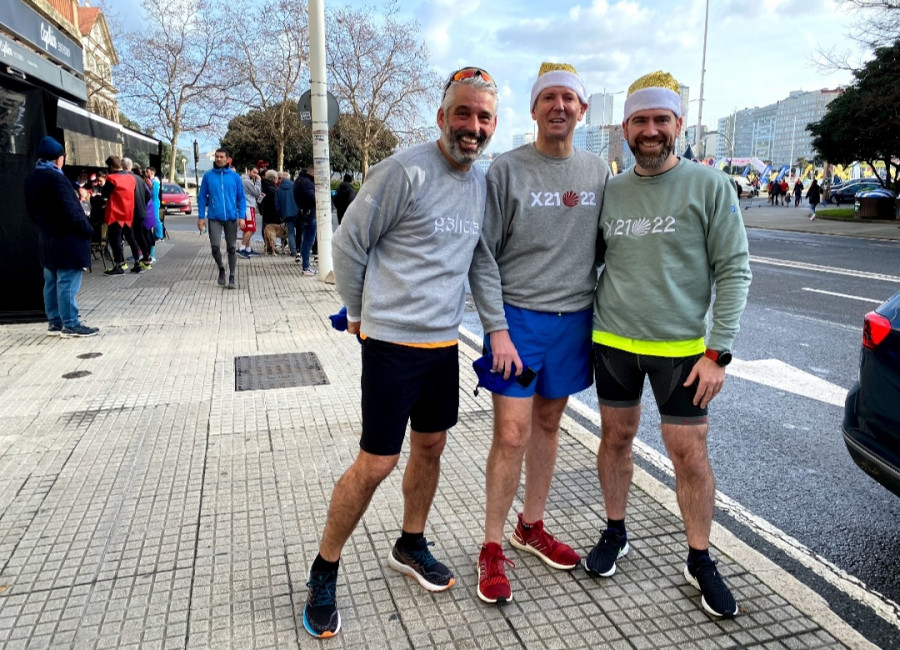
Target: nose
(472, 124)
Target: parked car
(871, 424)
(747, 189)
(174, 199)
(846, 192)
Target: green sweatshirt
(669, 239)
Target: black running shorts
(619, 377)
(403, 384)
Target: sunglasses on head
(468, 73)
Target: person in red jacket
(120, 192)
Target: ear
(441, 117)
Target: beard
(451, 139)
(652, 160)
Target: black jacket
(305, 195)
(343, 197)
(269, 211)
(63, 228)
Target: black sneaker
(136, 268)
(78, 331)
(420, 565)
(116, 270)
(231, 283)
(54, 330)
(221, 279)
(601, 561)
(320, 615)
(716, 597)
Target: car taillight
(875, 328)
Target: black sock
(321, 565)
(696, 554)
(409, 540)
(617, 525)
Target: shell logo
(570, 199)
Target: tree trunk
(173, 157)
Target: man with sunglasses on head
(533, 284)
(401, 255)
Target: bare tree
(268, 54)
(882, 21)
(378, 69)
(170, 71)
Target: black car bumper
(865, 441)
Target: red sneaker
(493, 585)
(538, 541)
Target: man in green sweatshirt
(672, 230)
(401, 255)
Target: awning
(73, 118)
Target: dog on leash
(271, 233)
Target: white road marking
(783, 376)
(853, 587)
(824, 269)
(843, 295)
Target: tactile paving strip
(262, 372)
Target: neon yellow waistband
(653, 348)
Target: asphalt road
(779, 454)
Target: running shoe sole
(612, 570)
(324, 635)
(407, 570)
(709, 610)
(546, 560)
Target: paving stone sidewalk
(147, 503)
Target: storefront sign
(30, 26)
(36, 66)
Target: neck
(554, 148)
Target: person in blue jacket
(287, 211)
(64, 236)
(221, 201)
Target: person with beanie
(533, 282)
(672, 232)
(64, 239)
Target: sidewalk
(759, 214)
(145, 502)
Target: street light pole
(702, 76)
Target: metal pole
(702, 76)
(196, 176)
(319, 100)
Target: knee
(370, 470)
(429, 446)
(511, 438)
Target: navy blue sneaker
(79, 331)
(320, 615)
(715, 596)
(601, 561)
(54, 330)
(420, 565)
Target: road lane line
(843, 295)
(853, 587)
(824, 269)
(775, 373)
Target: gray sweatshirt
(539, 242)
(402, 252)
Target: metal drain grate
(267, 371)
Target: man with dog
(418, 217)
(287, 210)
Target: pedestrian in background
(64, 239)
(252, 195)
(813, 195)
(221, 201)
(343, 197)
(287, 209)
(305, 198)
(798, 192)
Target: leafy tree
(250, 139)
(171, 73)
(378, 70)
(346, 144)
(863, 123)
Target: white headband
(558, 78)
(650, 98)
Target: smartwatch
(722, 357)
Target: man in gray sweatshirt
(401, 255)
(533, 284)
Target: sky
(757, 52)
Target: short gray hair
(271, 174)
(477, 83)
(127, 164)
